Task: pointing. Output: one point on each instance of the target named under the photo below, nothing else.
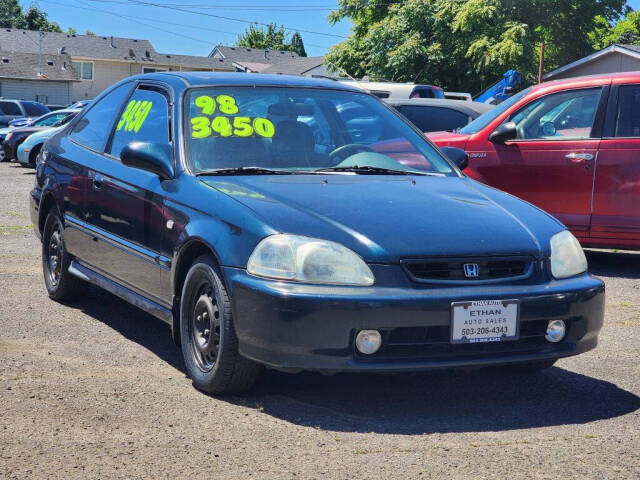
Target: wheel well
(34, 153)
(46, 204)
(191, 251)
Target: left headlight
(308, 260)
(567, 257)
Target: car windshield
(301, 130)
(49, 119)
(486, 118)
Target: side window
(559, 116)
(433, 119)
(145, 118)
(93, 128)
(9, 108)
(628, 115)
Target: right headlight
(309, 260)
(567, 257)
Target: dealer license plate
(484, 321)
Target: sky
(180, 32)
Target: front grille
(433, 343)
(467, 269)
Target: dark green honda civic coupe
(301, 224)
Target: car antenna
(345, 73)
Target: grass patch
(13, 229)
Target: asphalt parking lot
(96, 389)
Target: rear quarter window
(434, 119)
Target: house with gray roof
(100, 61)
(251, 60)
(305, 66)
(26, 76)
(612, 59)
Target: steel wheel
(207, 334)
(55, 252)
(205, 327)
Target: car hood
(448, 139)
(386, 218)
(42, 134)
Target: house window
(84, 69)
(153, 70)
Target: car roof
(246, 79)
(588, 80)
(464, 106)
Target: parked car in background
(397, 90)
(16, 136)
(79, 104)
(571, 147)
(458, 96)
(12, 109)
(19, 122)
(432, 115)
(29, 149)
(248, 218)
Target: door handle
(579, 157)
(97, 181)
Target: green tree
(464, 44)
(297, 45)
(12, 16)
(625, 31)
(270, 37)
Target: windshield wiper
(369, 169)
(244, 171)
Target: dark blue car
(301, 224)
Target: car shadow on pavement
(429, 402)
(607, 263)
(132, 323)
(439, 401)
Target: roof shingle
(26, 66)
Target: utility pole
(41, 35)
(541, 64)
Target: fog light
(368, 341)
(555, 331)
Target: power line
(136, 20)
(232, 19)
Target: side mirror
(504, 133)
(457, 156)
(153, 157)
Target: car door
(616, 195)
(124, 204)
(72, 161)
(551, 162)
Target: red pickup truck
(571, 147)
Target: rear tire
(61, 285)
(207, 334)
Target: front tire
(61, 285)
(207, 334)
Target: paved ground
(96, 389)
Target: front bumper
(310, 327)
